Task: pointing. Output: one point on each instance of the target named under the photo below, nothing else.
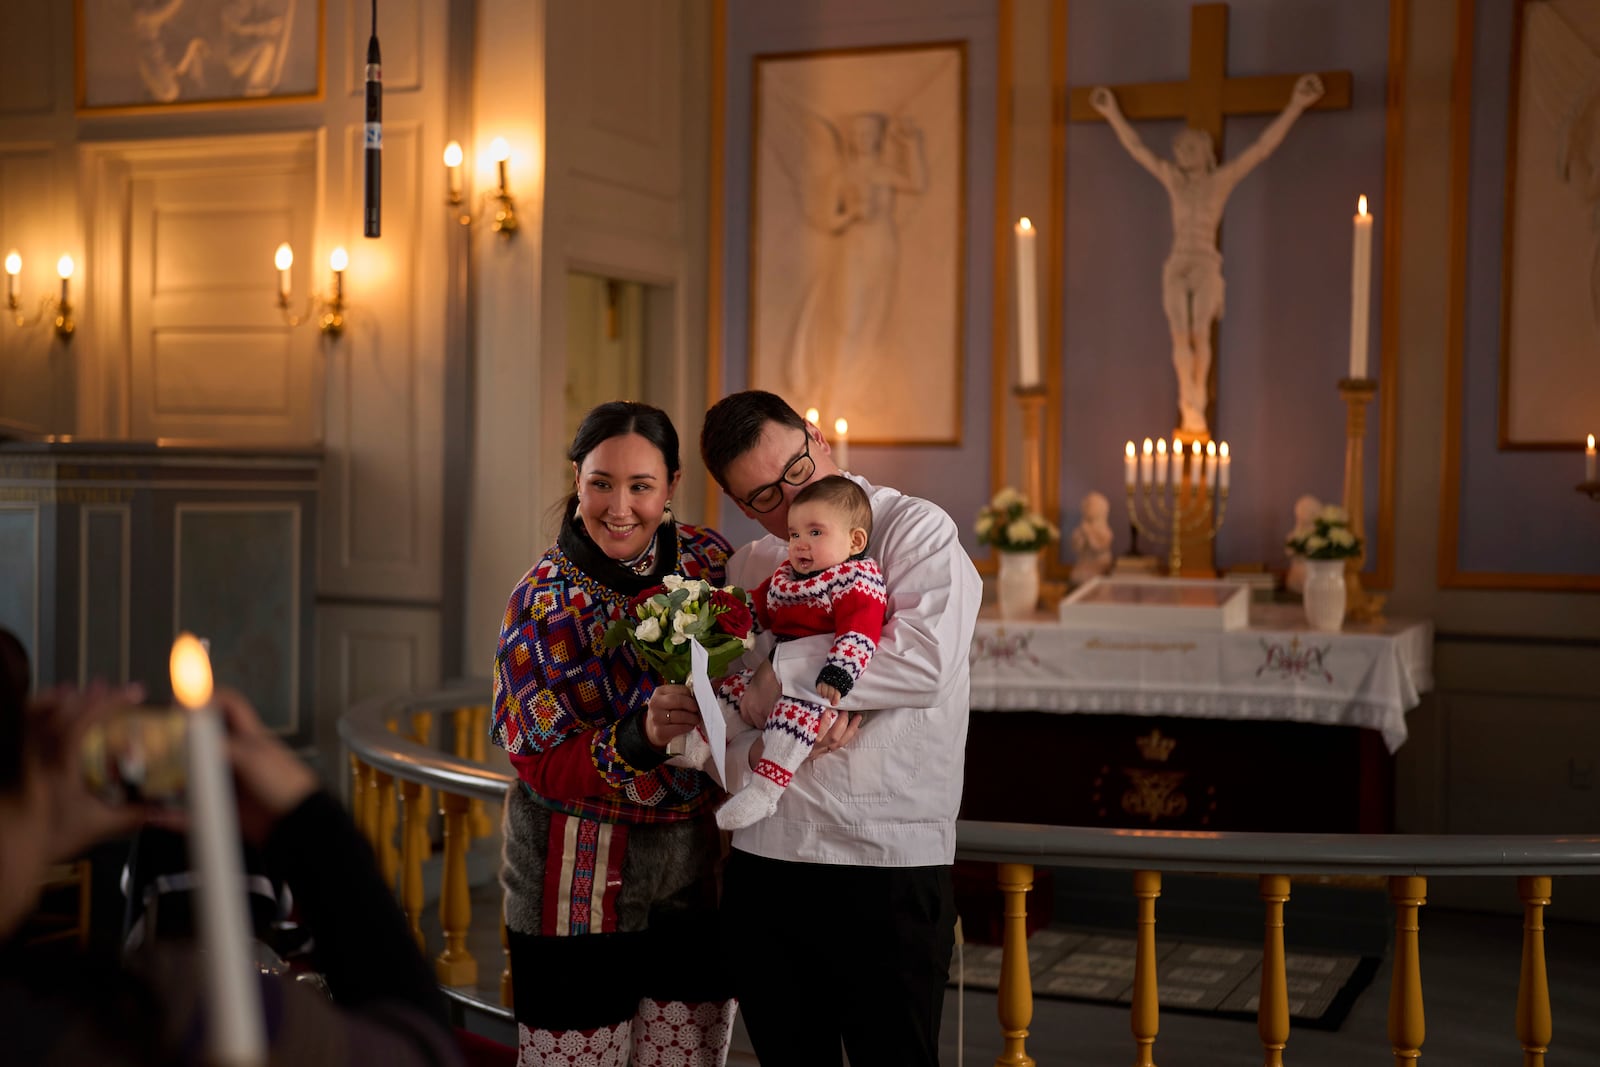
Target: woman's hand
(74, 818)
(672, 712)
(271, 780)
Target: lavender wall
(957, 478)
(1518, 509)
(1284, 340)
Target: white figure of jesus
(1191, 278)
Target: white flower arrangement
(1330, 537)
(1007, 523)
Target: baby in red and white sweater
(827, 586)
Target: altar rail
(394, 763)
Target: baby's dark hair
(839, 492)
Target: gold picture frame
(157, 56)
(858, 237)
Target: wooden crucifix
(1198, 185)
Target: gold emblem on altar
(1154, 794)
(1155, 747)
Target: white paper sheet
(710, 709)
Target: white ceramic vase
(1019, 584)
(1324, 594)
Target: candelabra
(1187, 506)
(1358, 393)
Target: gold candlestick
(1358, 393)
(1031, 399)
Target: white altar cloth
(1368, 675)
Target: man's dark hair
(15, 681)
(839, 492)
(734, 425)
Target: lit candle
(841, 448)
(1177, 462)
(64, 268)
(1161, 462)
(338, 261)
(814, 417)
(1588, 460)
(1360, 290)
(234, 1032)
(1027, 307)
(1130, 469)
(13, 268)
(500, 151)
(1227, 462)
(283, 259)
(1211, 464)
(452, 164)
(1194, 467)
(1146, 461)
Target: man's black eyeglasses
(798, 472)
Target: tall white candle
(1227, 463)
(841, 447)
(1161, 462)
(1588, 460)
(1027, 306)
(1130, 470)
(13, 268)
(283, 259)
(1360, 290)
(1146, 462)
(1211, 464)
(235, 1036)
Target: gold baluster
(478, 742)
(1015, 1000)
(374, 826)
(387, 819)
(455, 965)
(422, 734)
(1533, 992)
(1146, 1018)
(1406, 1028)
(358, 797)
(461, 729)
(1272, 1017)
(413, 849)
(505, 972)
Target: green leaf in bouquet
(616, 634)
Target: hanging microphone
(372, 208)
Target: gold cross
(1208, 94)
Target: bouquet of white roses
(1007, 524)
(661, 621)
(1330, 537)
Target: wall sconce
(330, 312)
(504, 221)
(61, 307)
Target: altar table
(1271, 727)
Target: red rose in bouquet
(732, 613)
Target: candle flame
(1024, 224)
(1361, 205)
(841, 427)
(452, 154)
(1197, 448)
(191, 672)
(64, 267)
(339, 259)
(813, 416)
(499, 150)
(1590, 445)
(283, 258)
(1129, 450)
(1161, 446)
(1148, 447)
(1211, 448)
(13, 263)
(1224, 450)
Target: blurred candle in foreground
(234, 1033)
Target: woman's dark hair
(734, 426)
(619, 417)
(15, 681)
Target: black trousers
(824, 957)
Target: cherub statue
(1305, 521)
(1091, 541)
(1198, 189)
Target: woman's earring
(577, 508)
(666, 511)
